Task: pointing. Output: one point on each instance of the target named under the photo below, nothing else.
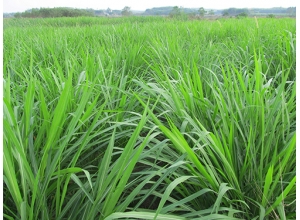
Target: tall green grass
(149, 118)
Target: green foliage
(54, 12)
(225, 13)
(178, 13)
(291, 11)
(211, 12)
(242, 15)
(191, 15)
(235, 11)
(168, 10)
(126, 11)
(202, 11)
(159, 11)
(149, 118)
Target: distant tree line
(235, 11)
(54, 12)
(182, 13)
(126, 11)
(291, 11)
(279, 10)
(171, 11)
(177, 12)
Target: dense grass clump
(149, 118)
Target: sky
(22, 5)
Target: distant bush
(126, 11)
(54, 12)
(178, 13)
(235, 11)
(242, 15)
(191, 15)
(225, 13)
(270, 16)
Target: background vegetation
(149, 118)
(161, 11)
(54, 12)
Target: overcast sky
(22, 5)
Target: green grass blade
(168, 191)
(59, 113)
(142, 215)
(113, 196)
(268, 181)
(281, 197)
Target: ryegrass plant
(149, 118)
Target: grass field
(149, 118)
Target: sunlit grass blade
(268, 181)
(121, 176)
(142, 215)
(281, 197)
(222, 191)
(180, 143)
(55, 128)
(168, 192)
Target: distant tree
(242, 15)
(126, 11)
(176, 12)
(211, 12)
(225, 13)
(109, 11)
(45, 12)
(291, 11)
(34, 13)
(270, 16)
(202, 11)
(159, 11)
(54, 12)
(192, 15)
(235, 11)
(17, 15)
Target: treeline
(235, 11)
(163, 11)
(169, 10)
(54, 12)
(158, 11)
(291, 11)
